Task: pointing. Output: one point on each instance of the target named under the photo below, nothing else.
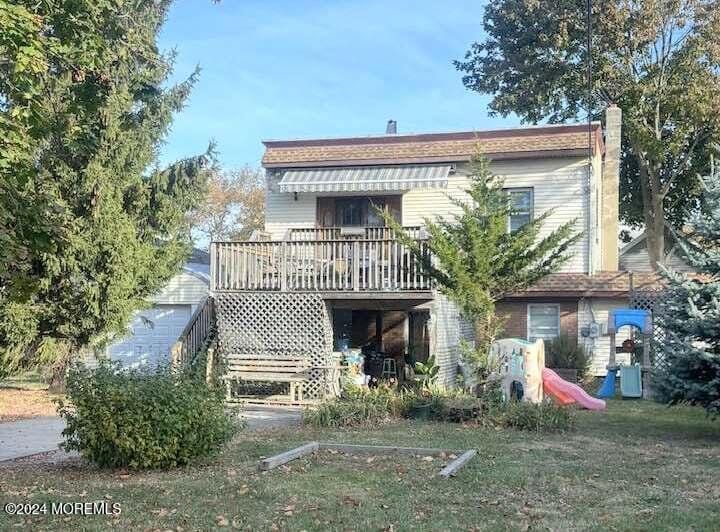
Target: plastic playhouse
(634, 379)
(524, 375)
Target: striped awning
(365, 178)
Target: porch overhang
(365, 178)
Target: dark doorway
(419, 335)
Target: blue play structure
(631, 381)
(631, 377)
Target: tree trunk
(57, 380)
(653, 211)
(655, 234)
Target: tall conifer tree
(690, 316)
(90, 225)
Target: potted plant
(567, 358)
(426, 374)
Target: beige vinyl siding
(283, 212)
(636, 259)
(184, 288)
(556, 183)
(599, 348)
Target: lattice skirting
(263, 323)
(652, 300)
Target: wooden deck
(337, 265)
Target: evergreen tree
(475, 259)
(90, 227)
(690, 315)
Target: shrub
(565, 352)
(543, 417)
(360, 407)
(428, 370)
(142, 419)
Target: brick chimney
(610, 189)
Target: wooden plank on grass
(288, 456)
(350, 448)
(456, 464)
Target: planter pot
(569, 374)
(421, 412)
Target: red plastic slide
(565, 392)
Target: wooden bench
(269, 368)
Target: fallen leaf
(427, 459)
(349, 501)
(221, 520)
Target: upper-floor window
(350, 211)
(543, 321)
(521, 202)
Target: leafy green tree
(233, 208)
(690, 316)
(90, 226)
(474, 258)
(658, 60)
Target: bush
(360, 407)
(142, 419)
(543, 417)
(565, 352)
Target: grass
(638, 466)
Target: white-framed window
(521, 203)
(543, 321)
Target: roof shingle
(609, 284)
(432, 147)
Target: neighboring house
(328, 271)
(153, 331)
(571, 304)
(634, 255)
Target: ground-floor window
(543, 322)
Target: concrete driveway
(30, 436)
(43, 434)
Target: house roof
(525, 142)
(639, 239)
(601, 284)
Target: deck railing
(196, 334)
(316, 265)
(341, 233)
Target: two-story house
(326, 273)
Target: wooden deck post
(283, 267)
(356, 266)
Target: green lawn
(638, 466)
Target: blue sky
(309, 68)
